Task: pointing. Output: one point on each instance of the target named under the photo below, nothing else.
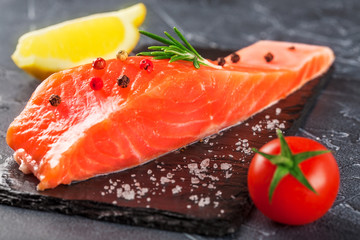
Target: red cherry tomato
(292, 203)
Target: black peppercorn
(269, 57)
(221, 61)
(235, 58)
(55, 100)
(123, 81)
(292, 48)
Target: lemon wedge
(78, 41)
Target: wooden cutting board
(199, 189)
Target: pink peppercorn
(99, 63)
(96, 83)
(147, 65)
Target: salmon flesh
(126, 123)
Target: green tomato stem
(288, 163)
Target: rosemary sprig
(175, 50)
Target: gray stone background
(227, 24)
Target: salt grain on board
(268, 124)
(164, 180)
(193, 197)
(204, 201)
(170, 175)
(125, 192)
(177, 189)
(201, 177)
(142, 191)
(277, 111)
(205, 163)
(195, 180)
(225, 166)
(227, 174)
(192, 167)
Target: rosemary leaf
(176, 58)
(176, 42)
(161, 57)
(145, 53)
(160, 48)
(175, 50)
(187, 43)
(196, 63)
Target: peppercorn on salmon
(72, 129)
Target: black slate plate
(200, 189)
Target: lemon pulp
(83, 42)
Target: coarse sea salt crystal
(125, 192)
(164, 180)
(227, 174)
(256, 128)
(205, 163)
(277, 111)
(204, 201)
(194, 180)
(194, 197)
(192, 167)
(142, 191)
(170, 175)
(126, 187)
(225, 166)
(177, 189)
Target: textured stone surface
(334, 121)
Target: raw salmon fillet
(96, 132)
